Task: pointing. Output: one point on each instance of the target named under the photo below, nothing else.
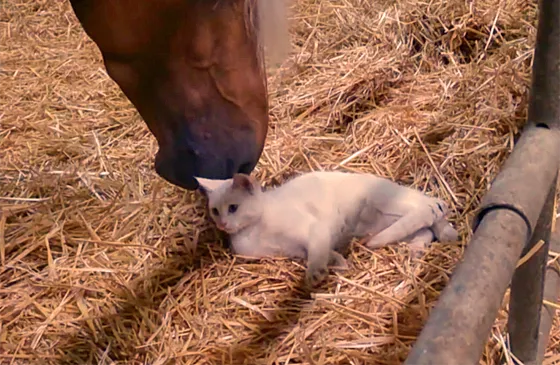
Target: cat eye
(232, 208)
(215, 211)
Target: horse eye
(215, 211)
(232, 208)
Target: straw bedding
(102, 262)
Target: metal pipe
(527, 284)
(544, 103)
(544, 111)
(459, 324)
(551, 293)
(528, 281)
(527, 288)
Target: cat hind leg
(441, 231)
(444, 231)
(408, 225)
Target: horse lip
(192, 184)
(188, 183)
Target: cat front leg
(408, 224)
(318, 257)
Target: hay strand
(103, 262)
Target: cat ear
(244, 182)
(209, 185)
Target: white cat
(316, 214)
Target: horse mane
(270, 23)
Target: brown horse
(194, 70)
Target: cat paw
(337, 261)
(439, 209)
(444, 232)
(420, 243)
(315, 276)
(449, 234)
(418, 249)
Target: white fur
(316, 214)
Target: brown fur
(195, 72)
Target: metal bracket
(504, 206)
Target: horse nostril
(245, 168)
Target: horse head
(194, 70)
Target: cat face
(233, 204)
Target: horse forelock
(269, 20)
